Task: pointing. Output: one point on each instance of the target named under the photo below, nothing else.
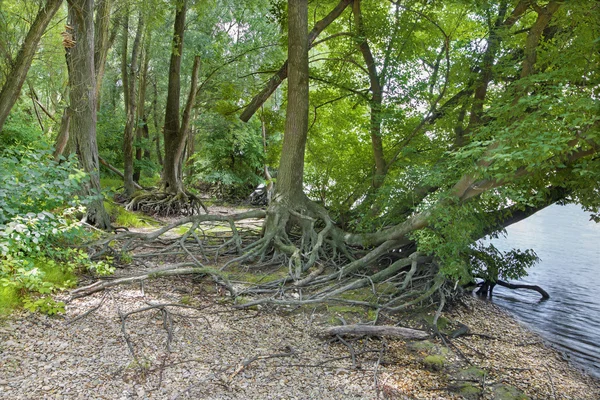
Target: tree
(504, 155)
(129, 71)
(489, 114)
(82, 82)
(172, 198)
(16, 77)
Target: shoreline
(585, 369)
(220, 353)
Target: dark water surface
(568, 244)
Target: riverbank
(202, 348)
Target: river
(568, 244)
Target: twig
(249, 361)
(350, 348)
(125, 334)
(88, 312)
(383, 346)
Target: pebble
(89, 359)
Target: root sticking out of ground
(166, 204)
(315, 261)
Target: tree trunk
(63, 135)
(291, 166)
(16, 77)
(282, 73)
(157, 132)
(375, 102)
(142, 123)
(83, 104)
(186, 119)
(171, 181)
(129, 73)
(103, 41)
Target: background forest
(427, 125)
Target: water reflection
(568, 244)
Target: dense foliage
(443, 121)
(39, 229)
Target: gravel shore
(204, 349)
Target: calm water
(568, 244)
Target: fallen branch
(177, 269)
(369, 330)
(116, 171)
(88, 312)
(249, 361)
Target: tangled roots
(166, 204)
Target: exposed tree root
(166, 204)
(488, 288)
(321, 263)
(178, 269)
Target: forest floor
(181, 338)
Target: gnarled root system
(166, 204)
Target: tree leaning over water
(418, 128)
(503, 139)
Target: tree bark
(142, 121)
(102, 43)
(282, 73)
(156, 124)
(186, 118)
(376, 100)
(171, 181)
(291, 166)
(129, 73)
(16, 77)
(83, 104)
(63, 135)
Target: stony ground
(201, 348)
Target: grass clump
(121, 217)
(9, 299)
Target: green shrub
(39, 229)
(231, 157)
(31, 181)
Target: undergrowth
(124, 218)
(40, 230)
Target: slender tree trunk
(141, 131)
(291, 168)
(191, 146)
(103, 40)
(186, 119)
(63, 135)
(171, 181)
(268, 177)
(83, 104)
(493, 44)
(157, 133)
(16, 77)
(282, 73)
(129, 73)
(375, 102)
